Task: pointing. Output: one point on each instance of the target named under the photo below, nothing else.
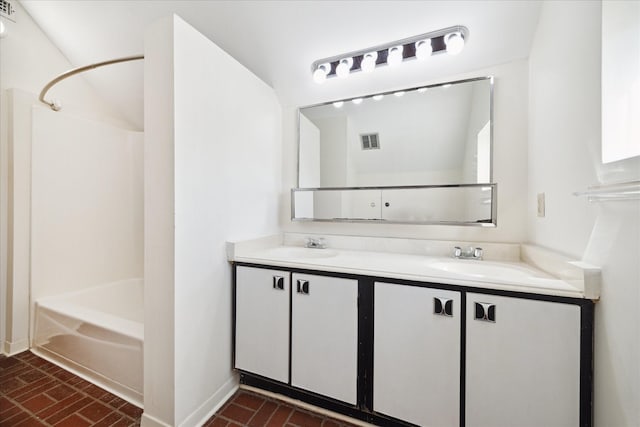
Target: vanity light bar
(449, 40)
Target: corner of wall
(159, 268)
(564, 124)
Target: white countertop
(491, 274)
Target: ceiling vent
(7, 10)
(370, 141)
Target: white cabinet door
(324, 340)
(416, 358)
(523, 363)
(262, 322)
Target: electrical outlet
(541, 207)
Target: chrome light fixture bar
(449, 40)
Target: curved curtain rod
(56, 106)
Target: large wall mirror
(424, 137)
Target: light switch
(541, 205)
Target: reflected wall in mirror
(468, 204)
(433, 135)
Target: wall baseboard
(212, 404)
(204, 411)
(149, 421)
(11, 348)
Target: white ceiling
(278, 40)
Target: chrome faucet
(314, 243)
(469, 253)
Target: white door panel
(324, 339)
(523, 363)
(262, 322)
(417, 354)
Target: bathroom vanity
(397, 338)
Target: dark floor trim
(320, 401)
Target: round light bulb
(338, 104)
(423, 49)
(378, 97)
(343, 68)
(422, 89)
(454, 42)
(395, 55)
(320, 74)
(447, 86)
(399, 93)
(357, 101)
(368, 63)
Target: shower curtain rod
(55, 106)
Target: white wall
(620, 84)
(509, 168)
(16, 211)
(564, 124)
(418, 132)
(333, 166)
(564, 156)
(28, 61)
(333, 151)
(309, 165)
(421, 135)
(212, 173)
(309, 154)
(159, 241)
(86, 203)
(478, 119)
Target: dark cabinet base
(320, 401)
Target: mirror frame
(493, 185)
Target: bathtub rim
(90, 289)
(112, 323)
(59, 304)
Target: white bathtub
(97, 333)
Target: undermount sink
(301, 253)
(485, 269)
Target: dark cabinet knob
(443, 306)
(302, 287)
(278, 282)
(485, 312)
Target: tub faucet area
(469, 253)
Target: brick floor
(246, 408)
(34, 392)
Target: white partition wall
(212, 173)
